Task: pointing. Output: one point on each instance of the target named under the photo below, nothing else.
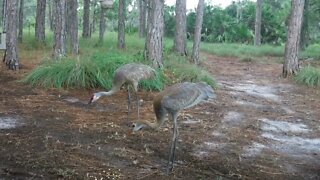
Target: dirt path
(260, 127)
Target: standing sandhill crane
(129, 74)
(171, 101)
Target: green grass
(182, 71)
(97, 62)
(309, 76)
(242, 50)
(311, 51)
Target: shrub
(309, 76)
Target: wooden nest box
(106, 3)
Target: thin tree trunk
(102, 28)
(74, 40)
(197, 33)
(50, 13)
(142, 18)
(94, 18)
(20, 35)
(40, 20)
(154, 41)
(11, 58)
(86, 19)
(4, 15)
(291, 63)
(121, 24)
(60, 29)
(257, 26)
(305, 27)
(180, 40)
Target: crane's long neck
(108, 93)
(143, 123)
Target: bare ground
(261, 126)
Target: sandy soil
(261, 126)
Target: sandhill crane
(129, 74)
(171, 101)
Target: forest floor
(261, 126)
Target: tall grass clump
(87, 72)
(309, 76)
(181, 70)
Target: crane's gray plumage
(129, 74)
(171, 101)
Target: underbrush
(309, 76)
(96, 64)
(98, 70)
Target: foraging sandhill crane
(129, 74)
(171, 101)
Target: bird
(170, 102)
(129, 75)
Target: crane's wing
(185, 95)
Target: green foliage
(96, 71)
(242, 50)
(182, 70)
(309, 76)
(311, 51)
(157, 83)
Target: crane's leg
(173, 145)
(138, 105)
(129, 102)
(135, 88)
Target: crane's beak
(137, 126)
(91, 99)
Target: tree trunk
(50, 15)
(154, 41)
(86, 19)
(60, 29)
(73, 7)
(11, 58)
(142, 18)
(291, 63)
(121, 24)
(20, 35)
(257, 26)
(94, 18)
(305, 36)
(180, 40)
(102, 27)
(197, 32)
(4, 15)
(40, 20)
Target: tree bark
(74, 40)
(121, 24)
(180, 40)
(154, 41)
(305, 36)
(4, 15)
(142, 18)
(60, 29)
(291, 63)
(40, 20)
(20, 34)
(11, 58)
(102, 27)
(197, 32)
(50, 14)
(94, 18)
(257, 25)
(86, 19)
